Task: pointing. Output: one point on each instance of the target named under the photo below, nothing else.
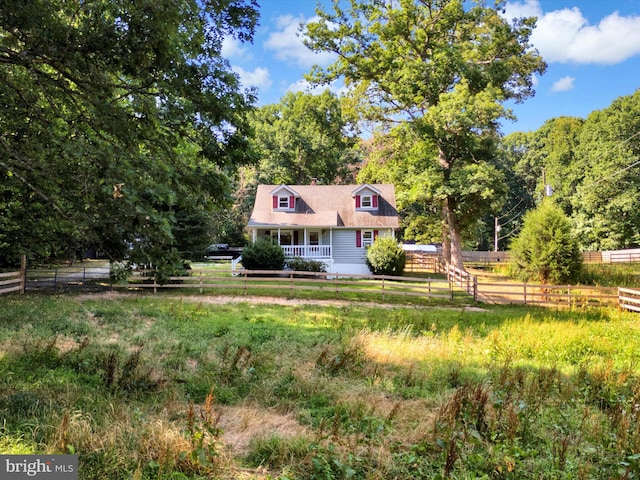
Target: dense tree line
(592, 167)
(123, 128)
(119, 125)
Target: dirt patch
(245, 423)
(270, 300)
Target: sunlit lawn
(144, 386)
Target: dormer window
(367, 197)
(367, 201)
(284, 198)
(283, 201)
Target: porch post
(331, 264)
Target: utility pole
(496, 229)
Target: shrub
(386, 257)
(119, 271)
(545, 250)
(304, 265)
(263, 255)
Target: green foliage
(301, 138)
(125, 122)
(546, 249)
(119, 271)
(386, 257)
(263, 255)
(447, 67)
(305, 265)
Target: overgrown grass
(152, 387)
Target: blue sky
(592, 48)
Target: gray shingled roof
(325, 206)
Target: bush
(386, 257)
(263, 255)
(545, 250)
(304, 265)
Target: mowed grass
(154, 387)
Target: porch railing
(307, 251)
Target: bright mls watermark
(39, 467)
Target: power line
(612, 175)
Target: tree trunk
(446, 239)
(455, 240)
(451, 241)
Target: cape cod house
(330, 223)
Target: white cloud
(527, 8)
(287, 43)
(563, 85)
(232, 48)
(304, 86)
(259, 78)
(567, 36)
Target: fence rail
(14, 281)
(629, 299)
(11, 282)
(248, 281)
(546, 295)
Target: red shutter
(374, 201)
(358, 238)
(275, 201)
(375, 234)
(357, 201)
(292, 202)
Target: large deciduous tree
(303, 137)
(117, 120)
(605, 201)
(442, 66)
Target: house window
(314, 238)
(283, 202)
(367, 202)
(284, 237)
(367, 238)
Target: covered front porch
(311, 243)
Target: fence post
(23, 274)
(525, 292)
(451, 288)
(201, 290)
(383, 287)
(245, 282)
(475, 288)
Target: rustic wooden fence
(629, 299)
(295, 283)
(14, 281)
(546, 295)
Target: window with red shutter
(358, 239)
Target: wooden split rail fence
(629, 299)
(14, 281)
(251, 281)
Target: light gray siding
(344, 247)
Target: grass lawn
(155, 387)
